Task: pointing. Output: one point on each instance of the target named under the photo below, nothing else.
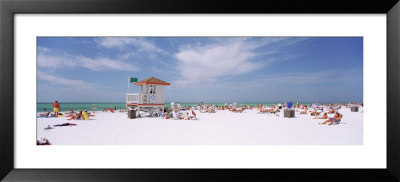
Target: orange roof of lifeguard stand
(152, 80)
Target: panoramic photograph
(199, 91)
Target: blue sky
(208, 69)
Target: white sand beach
(220, 128)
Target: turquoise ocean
(42, 107)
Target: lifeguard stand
(151, 96)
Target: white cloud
(47, 58)
(208, 63)
(229, 57)
(141, 44)
(99, 64)
(53, 87)
(64, 82)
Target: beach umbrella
(315, 105)
(289, 104)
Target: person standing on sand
(56, 108)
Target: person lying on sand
(43, 141)
(238, 110)
(262, 111)
(73, 117)
(187, 117)
(180, 116)
(304, 111)
(76, 116)
(44, 114)
(334, 120)
(65, 124)
(175, 115)
(315, 113)
(70, 111)
(211, 109)
(325, 116)
(275, 110)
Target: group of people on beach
(187, 112)
(318, 111)
(81, 115)
(272, 110)
(56, 109)
(177, 112)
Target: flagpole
(129, 80)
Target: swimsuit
(334, 120)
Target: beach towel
(50, 116)
(66, 124)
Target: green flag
(132, 80)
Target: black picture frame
(9, 8)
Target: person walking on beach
(56, 108)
